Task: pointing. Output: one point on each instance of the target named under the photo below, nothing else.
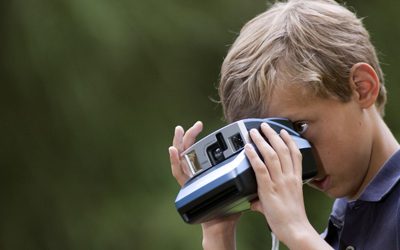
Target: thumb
(256, 206)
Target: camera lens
(216, 150)
(215, 154)
(218, 154)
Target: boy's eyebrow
(292, 113)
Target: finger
(176, 166)
(270, 157)
(177, 142)
(190, 137)
(279, 147)
(256, 206)
(262, 175)
(295, 153)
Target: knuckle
(284, 149)
(298, 155)
(273, 156)
(174, 172)
(279, 182)
(292, 178)
(262, 174)
(258, 166)
(252, 157)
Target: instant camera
(223, 180)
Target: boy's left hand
(279, 180)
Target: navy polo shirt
(373, 220)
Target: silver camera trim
(196, 156)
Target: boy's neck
(383, 147)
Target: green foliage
(91, 92)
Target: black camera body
(223, 180)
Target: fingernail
(248, 147)
(179, 127)
(265, 125)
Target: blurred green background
(91, 91)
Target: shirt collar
(338, 211)
(384, 180)
(381, 184)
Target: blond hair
(314, 43)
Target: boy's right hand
(180, 143)
(218, 233)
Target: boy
(311, 62)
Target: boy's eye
(300, 127)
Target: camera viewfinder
(237, 141)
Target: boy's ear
(365, 84)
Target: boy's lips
(321, 183)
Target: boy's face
(338, 133)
